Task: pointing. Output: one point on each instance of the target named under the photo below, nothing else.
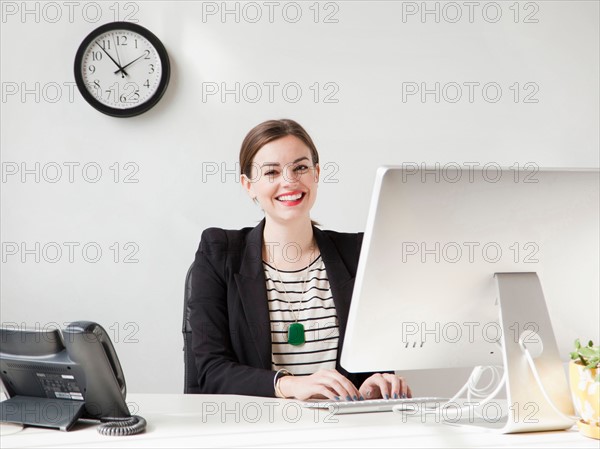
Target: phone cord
(118, 427)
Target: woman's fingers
(385, 386)
(374, 387)
(327, 383)
(346, 391)
(370, 391)
(395, 385)
(332, 385)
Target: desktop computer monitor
(458, 265)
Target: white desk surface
(177, 420)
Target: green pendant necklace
(295, 334)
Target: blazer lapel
(252, 289)
(253, 293)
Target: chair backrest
(190, 376)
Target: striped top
(313, 305)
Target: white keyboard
(374, 405)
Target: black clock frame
(162, 54)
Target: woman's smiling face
(284, 179)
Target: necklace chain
(295, 332)
(287, 296)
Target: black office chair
(190, 376)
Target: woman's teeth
(290, 197)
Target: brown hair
(267, 132)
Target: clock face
(122, 69)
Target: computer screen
(434, 240)
(427, 293)
(53, 378)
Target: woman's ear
(317, 172)
(247, 184)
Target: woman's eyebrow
(277, 163)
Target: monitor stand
(525, 328)
(525, 323)
(43, 412)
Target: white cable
(536, 375)
(473, 391)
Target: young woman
(269, 304)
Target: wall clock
(122, 69)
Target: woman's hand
(385, 386)
(327, 384)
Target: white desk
(179, 420)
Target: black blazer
(229, 314)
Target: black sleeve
(219, 371)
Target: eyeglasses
(290, 172)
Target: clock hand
(111, 58)
(118, 58)
(121, 69)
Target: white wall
(367, 54)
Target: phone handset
(84, 340)
(112, 357)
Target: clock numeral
(114, 92)
(121, 40)
(111, 91)
(96, 56)
(151, 69)
(134, 95)
(106, 44)
(147, 84)
(92, 68)
(131, 94)
(136, 44)
(147, 54)
(96, 86)
(133, 98)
